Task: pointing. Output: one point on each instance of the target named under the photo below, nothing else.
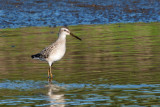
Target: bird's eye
(65, 30)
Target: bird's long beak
(75, 36)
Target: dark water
(22, 13)
(114, 65)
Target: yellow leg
(50, 72)
(50, 77)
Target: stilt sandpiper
(56, 50)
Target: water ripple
(31, 85)
(79, 94)
(23, 13)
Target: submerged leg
(49, 80)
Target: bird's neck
(62, 38)
(62, 35)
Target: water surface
(114, 65)
(22, 13)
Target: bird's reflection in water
(56, 96)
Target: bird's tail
(36, 56)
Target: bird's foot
(50, 77)
(49, 80)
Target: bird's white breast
(58, 53)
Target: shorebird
(56, 50)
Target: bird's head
(66, 31)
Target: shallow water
(114, 65)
